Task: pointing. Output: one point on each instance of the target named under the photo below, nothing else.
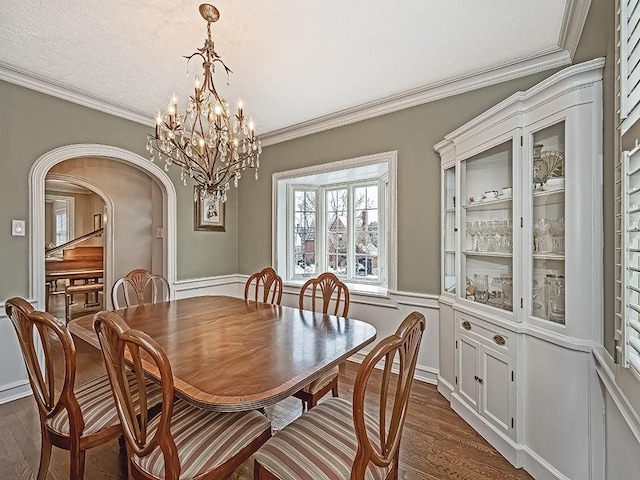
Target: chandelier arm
(198, 174)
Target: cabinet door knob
(479, 380)
(466, 325)
(499, 339)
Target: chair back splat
(330, 290)
(267, 282)
(139, 287)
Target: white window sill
(354, 288)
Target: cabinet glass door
(449, 246)
(487, 237)
(548, 285)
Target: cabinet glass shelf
(549, 197)
(549, 256)
(473, 253)
(497, 204)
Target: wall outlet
(18, 228)
(158, 232)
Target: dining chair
(147, 288)
(182, 441)
(71, 418)
(342, 439)
(334, 296)
(267, 282)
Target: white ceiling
(293, 60)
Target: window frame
(321, 229)
(283, 184)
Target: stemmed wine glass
(472, 230)
(556, 229)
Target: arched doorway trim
(37, 176)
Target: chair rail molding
(37, 176)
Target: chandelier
(209, 143)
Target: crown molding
(46, 85)
(521, 67)
(575, 16)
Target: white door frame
(37, 175)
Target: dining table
(228, 354)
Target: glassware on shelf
(483, 240)
(542, 242)
(538, 303)
(481, 281)
(506, 280)
(555, 297)
(556, 229)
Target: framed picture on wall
(208, 213)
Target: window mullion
(351, 254)
(321, 217)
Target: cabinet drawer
(483, 331)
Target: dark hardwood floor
(436, 444)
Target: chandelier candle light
(207, 142)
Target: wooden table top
(228, 354)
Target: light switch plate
(18, 228)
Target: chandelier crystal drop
(209, 143)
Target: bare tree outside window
(305, 232)
(366, 231)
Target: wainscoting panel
(14, 382)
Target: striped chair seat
(322, 381)
(204, 439)
(321, 445)
(97, 405)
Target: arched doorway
(37, 176)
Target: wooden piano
(78, 264)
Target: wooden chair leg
(76, 465)
(313, 401)
(334, 390)
(45, 456)
(261, 473)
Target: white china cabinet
(522, 260)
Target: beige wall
(33, 124)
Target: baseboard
(505, 446)
(539, 468)
(445, 388)
(14, 391)
(422, 373)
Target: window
(339, 218)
